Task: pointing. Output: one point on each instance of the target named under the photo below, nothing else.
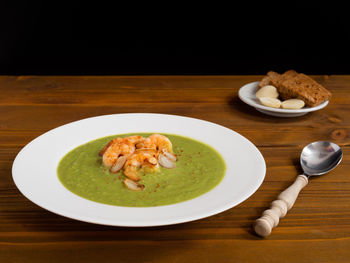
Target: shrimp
(137, 161)
(134, 139)
(115, 150)
(103, 150)
(134, 153)
(164, 149)
(119, 147)
(159, 142)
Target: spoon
(317, 158)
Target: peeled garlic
(293, 104)
(270, 102)
(268, 91)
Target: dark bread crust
(270, 78)
(293, 85)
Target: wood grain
(316, 229)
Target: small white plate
(34, 170)
(247, 95)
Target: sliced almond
(139, 145)
(170, 156)
(132, 175)
(104, 149)
(118, 165)
(152, 160)
(294, 104)
(268, 91)
(130, 184)
(270, 102)
(165, 162)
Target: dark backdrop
(57, 38)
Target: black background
(102, 39)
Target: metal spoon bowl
(320, 157)
(316, 158)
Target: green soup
(199, 168)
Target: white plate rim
(168, 221)
(252, 87)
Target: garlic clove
(294, 104)
(270, 102)
(268, 91)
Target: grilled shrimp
(136, 152)
(137, 161)
(134, 139)
(158, 142)
(164, 149)
(103, 150)
(116, 152)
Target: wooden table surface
(317, 229)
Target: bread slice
(271, 77)
(293, 85)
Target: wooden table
(317, 229)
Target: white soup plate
(34, 170)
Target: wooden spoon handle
(285, 201)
